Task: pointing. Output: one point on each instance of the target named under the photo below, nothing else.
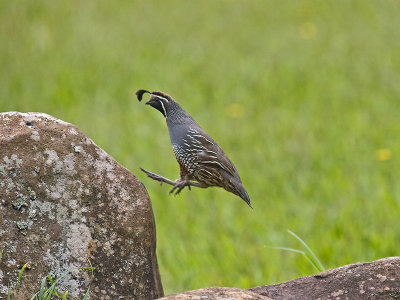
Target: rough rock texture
(63, 202)
(375, 280)
(220, 293)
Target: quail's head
(158, 100)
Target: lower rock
(375, 280)
(217, 293)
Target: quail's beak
(151, 102)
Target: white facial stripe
(162, 104)
(161, 97)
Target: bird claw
(179, 187)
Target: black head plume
(158, 100)
(139, 94)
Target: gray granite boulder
(217, 293)
(373, 280)
(65, 202)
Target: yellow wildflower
(383, 154)
(235, 110)
(308, 30)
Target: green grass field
(304, 96)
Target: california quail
(202, 162)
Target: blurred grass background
(304, 96)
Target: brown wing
(208, 151)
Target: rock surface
(220, 293)
(375, 280)
(64, 202)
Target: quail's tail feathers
(243, 194)
(236, 186)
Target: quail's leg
(178, 184)
(158, 177)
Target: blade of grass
(310, 252)
(42, 289)
(300, 252)
(49, 293)
(19, 277)
(65, 295)
(309, 255)
(289, 249)
(46, 294)
(87, 293)
(91, 268)
(52, 288)
(34, 296)
(55, 292)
